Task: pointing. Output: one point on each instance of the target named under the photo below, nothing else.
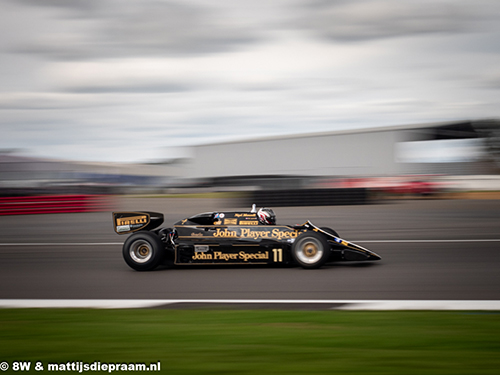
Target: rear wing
(128, 222)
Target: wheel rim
(141, 251)
(309, 251)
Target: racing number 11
(278, 255)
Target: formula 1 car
(215, 238)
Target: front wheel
(143, 251)
(311, 250)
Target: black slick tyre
(311, 250)
(143, 251)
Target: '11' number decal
(278, 255)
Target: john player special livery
(230, 238)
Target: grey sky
(109, 80)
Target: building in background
(442, 148)
(368, 158)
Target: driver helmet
(266, 216)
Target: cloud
(45, 101)
(361, 20)
(138, 75)
(79, 5)
(130, 87)
(117, 29)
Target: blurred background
(336, 102)
(446, 160)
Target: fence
(52, 204)
(310, 197)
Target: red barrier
(52, 204)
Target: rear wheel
(143, 251)
(311, 250)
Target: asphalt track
(431, 250)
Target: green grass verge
(208, 341)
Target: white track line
(337, 304)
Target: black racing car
(214, 238)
